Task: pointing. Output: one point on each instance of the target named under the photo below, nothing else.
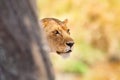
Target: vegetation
(95, 27)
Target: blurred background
(95, 28)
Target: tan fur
(57, 34)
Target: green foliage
(87, 53)
(73, 66)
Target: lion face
(58, 36)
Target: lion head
(58, 35)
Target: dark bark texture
(23, 54)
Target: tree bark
(23, 54)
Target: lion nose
(70, 44)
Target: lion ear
(44, 23)
(65, 21)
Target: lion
(58, 36)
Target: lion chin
(58, 36)
(65, 55)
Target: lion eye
(56, 32)
(68, 31)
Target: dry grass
(95, 27)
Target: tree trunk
(23, 54)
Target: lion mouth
(64, 52)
